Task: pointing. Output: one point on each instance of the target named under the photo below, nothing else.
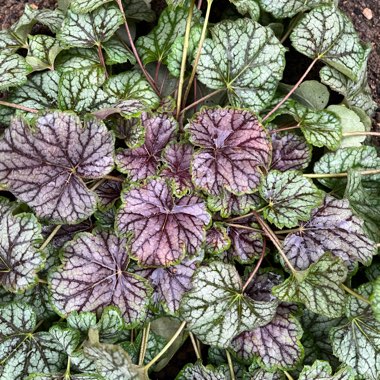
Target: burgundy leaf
(108, 192)
(164, 228)
(290, 151)
(217, 239)
(142, 162)
(94, 275)
(260, 289)
(233, 147)
(44, 166)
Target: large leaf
(44, 167)
(233, 147)
(94, 275)
(164, 228)
(23, 351)
(86, 30)
(290, 197)
(216, 310)
(331, 228)
(321, 370)
(318, 287)
(244, 58)
(19, 256)
(142, 162)
(357, 341)
(328, 34)
(14, 70)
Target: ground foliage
(155, 191)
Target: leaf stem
(287, 374)
(195, 346)
(284, 129)
(356, 295)
(101, 59)
(167, 346)
(17, 106)
(241, 226)
(144, 344)
(199, 50)
(210, 95)
(184, 56)
(361, 133)
(50, 237)
(113, 178)
(292, 90)
(230, 365)
(252, 275)
(291, 26)
(291, 231)
(345, 174)
(134, 50)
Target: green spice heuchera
(165, 188)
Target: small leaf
(311, 94)
(328, 34)
(87, 30)
(14, 70)
(216, 309)
(321, 370)
(139, 10)
(92, 278)
(233, 147)
(217, 239)
(290, 197)
(67, 337)
(78, 59)
(331, 228)
(246, 7)
(290, 152)
(117, 52)
(108, 193)
(9, 43)
(249, 68)
(142, 162)
(85, 6)
(164, 228)
(199, 371)
(317, 287)
(46, 171)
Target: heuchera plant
(164, 189)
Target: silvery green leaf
(14, 71)
(216, 310)
(328, 34)
(245, 59)
(356, 92)
(290, 197)
(9, 43)
(42, 52)
(23, 351)
(126, 108)
(85, 6)
(321, 370)
(375, 299)
(262, 374)
(311, 94)
(247, 7)
(350, 122)
(20, 259)
(82, 321)
(317, 287)
(139, 10)
(289, 8)
(132, 85)
(78, 59)
(87, 30)
(356, 342)
(157, 44)
(332, 228)
(117, 52)
(198, 371)
(66, 337)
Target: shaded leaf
(139, 10)
(311, 94)
(9, 42)
(46, 171)
(216, 309)
(14, 70)
(321, 370)
(246, 7)
(375, 299)
(317, 287)
(117, 52)
(331, 228)
(233, 147)
(108, 193)
(244, 58)
(164, 228)
(91, 279)
(290, 197)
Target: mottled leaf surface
(290, 197)
(331, 228)
(14, 70)
(117, 51)
(216, 310)
(198, 371)
(286, 8)
(321, 370)
(247, 7)
(85, 6)
(108, 193)
(233, 147)
(94, 275)
(244, 58)
(217, 239)
(375, 299)
(44, 167)
(317, 287)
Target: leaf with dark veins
(217, 239)
(234, 146)
(321, 370)
(164, 228)
(94, 275)
(44, 166)
(331, 228)
(108, 193)
(142, 162)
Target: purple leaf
(108, 192)
(170, 283)
(233, 147)
(217, 239)
(260, 289)
(163, 227)
(332, 228)
(177, 159)
(44, 166)
(290, 151)
(94, 275)
(142, 162)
